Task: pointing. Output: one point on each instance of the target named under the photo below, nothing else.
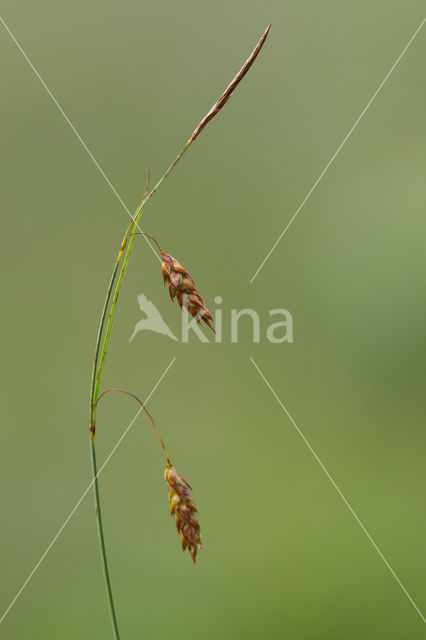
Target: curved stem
(97, 370)
(129, 239)
(219, 104)
(93, 402)
(100, 353)
(143, 233)
(132, 395)
(98, 502)
(103, 316)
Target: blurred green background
(283, 555)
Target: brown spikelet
(223, 99)
(184, 510)
(182, 287)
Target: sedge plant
(182, 287)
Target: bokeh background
(283, 555)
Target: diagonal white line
(338, 490)
(318, 180)
(68, 518)
(80, 139)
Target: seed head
(223, 99)
(184, 510)
(182, 287)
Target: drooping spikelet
(184, 510)
(182, 287)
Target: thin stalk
(129, 238)
(106, 303)
(102, 540)
(93, 401)
(134, 224)
(100, 353)
(103, 316)
(132, 395)
(97, 370)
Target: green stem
(128, 239)
(166, 173)
(102, 540)
(103, 316)
(98, 366)
(100, 354)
